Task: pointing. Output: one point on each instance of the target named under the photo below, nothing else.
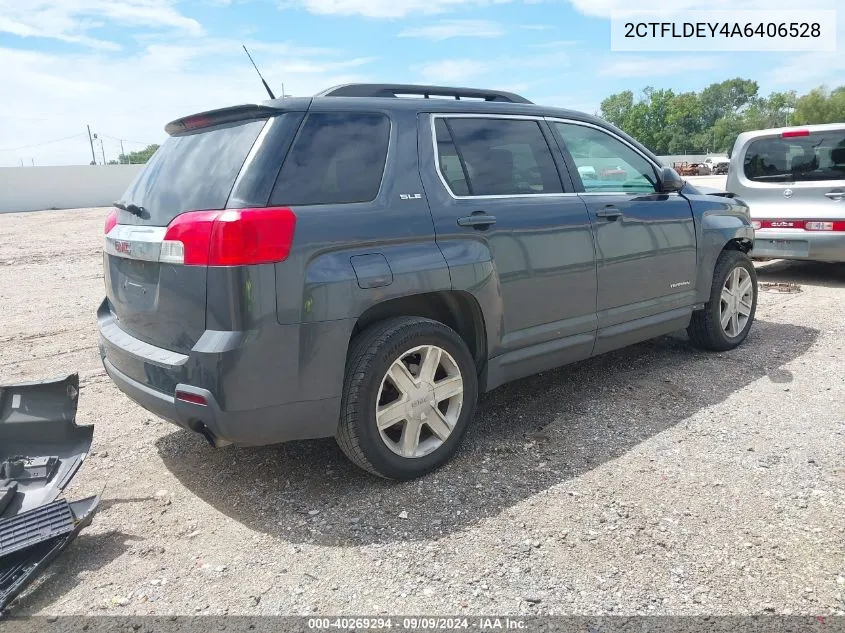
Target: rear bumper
(278, 384)
(799, 244)
(268, 425)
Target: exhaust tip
(212, 439)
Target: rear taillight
(794, 133)
(807, 225)
(825, 226)
(234, 237)
(111, 221)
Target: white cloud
(655, 66)
(133, 97)
(446, 29)
(453, 70)
(474, 70)
(603, 8)
(808, 70)
(386, 8)
(72, 20)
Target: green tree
(684, 123)
(617, 108)
(139, 157)
(820, 106)
(726, 98)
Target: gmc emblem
(122, 246)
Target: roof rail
(427, 92)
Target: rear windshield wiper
(134, 209)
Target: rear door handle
(611, 213)
(835, 195)
(478, 220)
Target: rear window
(191, 172)
(819, 156)
(337, 158)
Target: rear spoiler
(223, 115)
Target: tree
(139, 157)
(709, 121)
(726, 98)
(820, 106)
(684, 122)
(617, 107)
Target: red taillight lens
(111, 221)
(235, 237)
(794, 133)
(807, 225)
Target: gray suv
(363, 266)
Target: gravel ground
(654, 480)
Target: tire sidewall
(736, 260)
(379, 455)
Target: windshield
(818, 156)
(191, 172)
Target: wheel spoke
(401, 378)
(727, 295)
(744, 307)
(726, 318)
(410, 438)
(448, 387)
(438, 424)
(735, 279)
(430, 363)
(745, 287)
(390, 414)
(734, 324)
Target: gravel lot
(655, 480)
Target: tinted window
(450, 163)
(191, 172)
(604, 162)
(485, 157)
(819, 156)
(336, 158)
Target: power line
(15, 149)
(126, 140)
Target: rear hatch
(156, 301)
(794, 176)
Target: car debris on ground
(41, 448)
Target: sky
(127, 67)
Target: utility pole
(283, 91)
(91, 141)
(103, 150)
(123, 153)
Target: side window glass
(606, 163)
(449, 161)
(495, 157)
(336, 158)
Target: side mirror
(670, 181)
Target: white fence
(69, 187)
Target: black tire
(705, 329)
(371, 354)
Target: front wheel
(727, 317)
(409, 392)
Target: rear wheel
(409, 392)
(726, 319)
